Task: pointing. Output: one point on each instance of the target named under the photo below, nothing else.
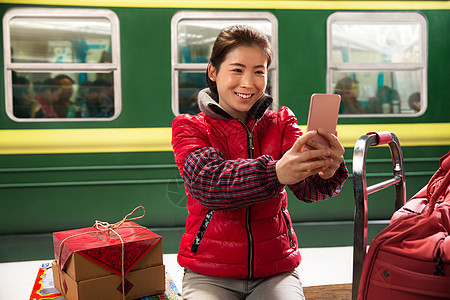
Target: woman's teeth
(245, 96)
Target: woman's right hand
(296, 164)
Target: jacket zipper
(288, 227)
(250, 146)
(250, 244)
(250, 149)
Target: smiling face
(241, 79)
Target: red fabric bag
(410, 259)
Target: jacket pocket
(288, 227)
(201, 231)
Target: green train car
(89, 90)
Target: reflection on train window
(193, 35)
(190, 83)
(62, 69)
(377, 63)
(46, 95)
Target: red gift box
(95, 253)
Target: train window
(377, 62)
(193, 35)
(61, 64)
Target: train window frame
(393, 18)
(113, 67)
(177, 67)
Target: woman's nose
(247, 80)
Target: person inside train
(88, 98)
(236, 157)
(348, 89)
(84, 94)
(62, 105)
(384, 100)
(24, 106)
(414, 101)
(47, 94)
(105, 98)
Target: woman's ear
(211, 72)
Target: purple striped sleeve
(315, 188)
(228, 184)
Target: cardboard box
(81, 268)
(90, 262)
(138, 283)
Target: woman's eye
(237, 70)
(260, 72)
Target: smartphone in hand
(323, 113)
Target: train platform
(323, 270)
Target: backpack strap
(444, 182)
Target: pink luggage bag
(410, 258)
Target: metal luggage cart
(361, 191)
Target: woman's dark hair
(49, 83)
(230, 38)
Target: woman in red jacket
(236, 157)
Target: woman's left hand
(336, 152)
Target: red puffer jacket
(253, 241)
